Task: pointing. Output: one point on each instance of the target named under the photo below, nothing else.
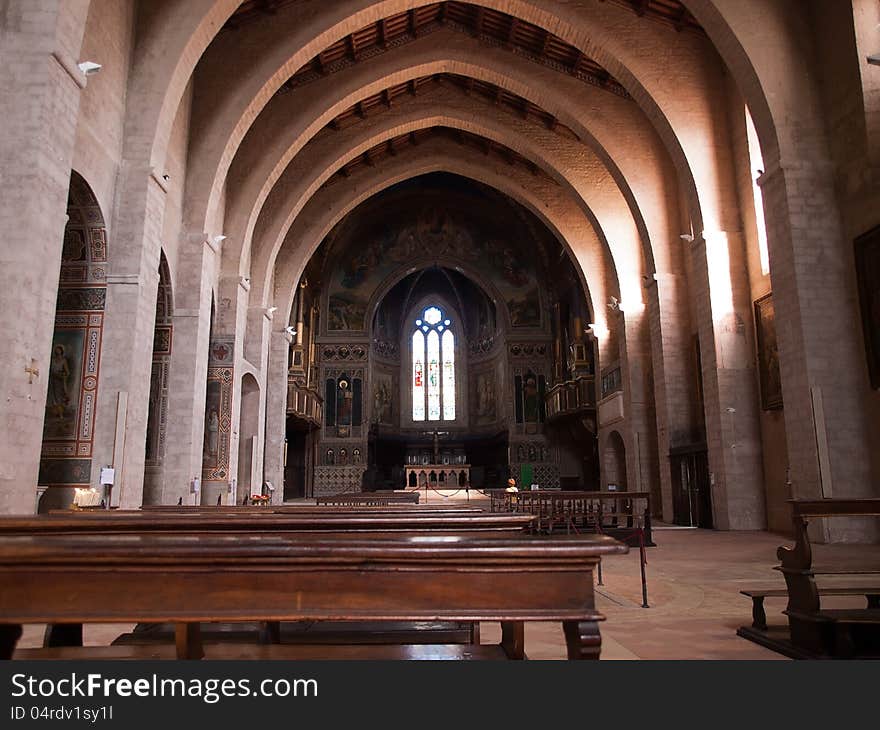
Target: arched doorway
(74, 364)
(249, 480)
(157, 415)
(614, 461)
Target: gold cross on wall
(33, 371)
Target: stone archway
(157, 415)
(249, 480)
(614, 462)
(74, 363)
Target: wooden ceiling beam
(383, 33)
(680, 19)
(478, 20)
(511, 33)
(386, 98)
(545, 42)
(360, 110)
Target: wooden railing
(571, 396)
(305, 403)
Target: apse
(445, 314)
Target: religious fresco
(383, 399)
(218, 419)
(768, 354)
(73, 366)
(65, 373)
(499, 249)
(218, 410)
(485, 411)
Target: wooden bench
(248, 523)
(187, 579)
(759, 615)
(611, 513)
(814, 631)
(243, 523)
(369, 498)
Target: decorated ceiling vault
(645, 227)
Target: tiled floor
(694, 579)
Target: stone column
(671, 350)
(40, 97)
(129, 325)
(276, 410)
(724, 310)
(641, 441)
(227, 341)
(189, 367)
(821, 353)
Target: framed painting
(867, 253)
(768, 354)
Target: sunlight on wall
(718, 264)
(756, 163)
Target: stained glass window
(448, 348)
(433, 376)
(418, 355)
(433, 358)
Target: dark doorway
(691, 489)
(298, 442)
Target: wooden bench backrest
(104, 522)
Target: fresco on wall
(485, 398)
(497, 248)
(65, 372)
(382, 399)
(218, 419)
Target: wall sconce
(89, 68)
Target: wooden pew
(369, 498)
(187, 579)
(243, 523)
(248, 523)
(814, 631)
(610, 513)
(301, 509)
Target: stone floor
(694, 579)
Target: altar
(438, 476)
(436, 466)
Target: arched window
(433, 367)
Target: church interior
(576, 298)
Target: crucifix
(33, 371)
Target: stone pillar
(671, 350)
(822, 359)
(189, 367)
(276, 410)
(225, 367)
(40, 97)
(641, 441)
(724, 310)
(129, 325)
(257, 348)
